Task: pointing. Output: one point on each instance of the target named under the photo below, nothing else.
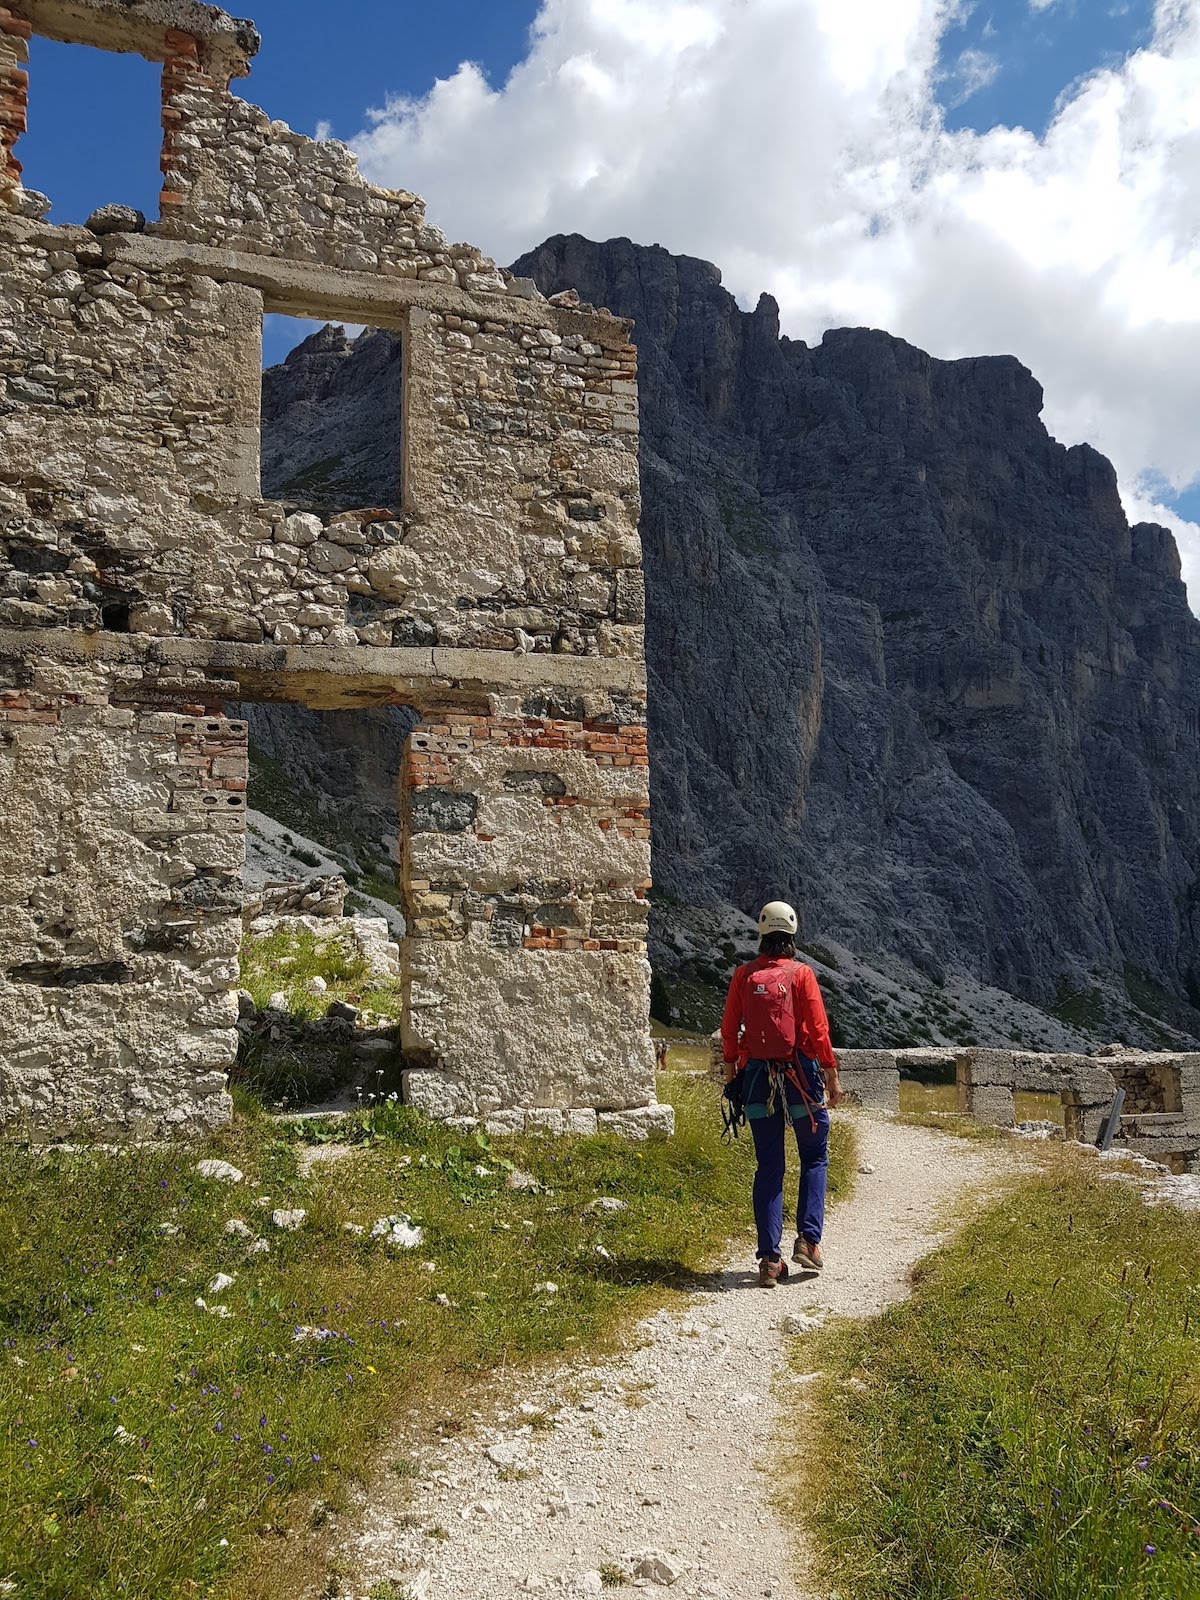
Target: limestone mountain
(331, 422)
(910, 665)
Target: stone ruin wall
(144, 583)
(1160, 1117)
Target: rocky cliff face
(331, 422)
(910, 666)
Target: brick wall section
(182, 75)
(14, 92)
(603, 914)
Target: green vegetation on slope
(150, 1447)
(1027, 1426)
(274, 790)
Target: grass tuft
(148, 1445)
(1027, 1426)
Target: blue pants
(769, 1146)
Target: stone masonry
(145, 582)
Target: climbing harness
(780, 1074)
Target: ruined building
(145, 583)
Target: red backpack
(768, 1017)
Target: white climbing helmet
(777, 917)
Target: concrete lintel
(302, 288)
(140, 28)
(329, 677)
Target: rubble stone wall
(501, 595)
(122, 905)
(1160, 1117)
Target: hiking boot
(771, 1272)
(808, 1256)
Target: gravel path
(656, 1461)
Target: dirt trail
(665, 1451)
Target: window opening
(331, 415)
(94, 135)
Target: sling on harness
(780, 1074)
(733, 1107)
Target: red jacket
(812, 1026)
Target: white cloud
(973, 71)
(798, 144)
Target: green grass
(232, 1431)
(1027, 1426)
(286, 959)
(309, 1068)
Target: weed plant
(1027, 1426)
(158, 1436)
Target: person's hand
(730, 1071)
(834, 1093)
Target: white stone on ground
(223, 1171)
(666, 1453)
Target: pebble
(222, 1281)
(236, 1226)
(398, 1230)
(797, 1322)
(656, 1566)
(289, 1221)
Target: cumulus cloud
(799, 144)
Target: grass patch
(306, 1065)
(1027, 1426)
(151, 1448)
(962, 1127)
(287, 959)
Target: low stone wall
(870, 1078)
(313, 897)
(1161, 1116)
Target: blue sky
(1023, 57)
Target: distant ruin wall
(1160, 1116)
(1161, 1113)
(144, 581)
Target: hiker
(780, 1065)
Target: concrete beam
(333, 677)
